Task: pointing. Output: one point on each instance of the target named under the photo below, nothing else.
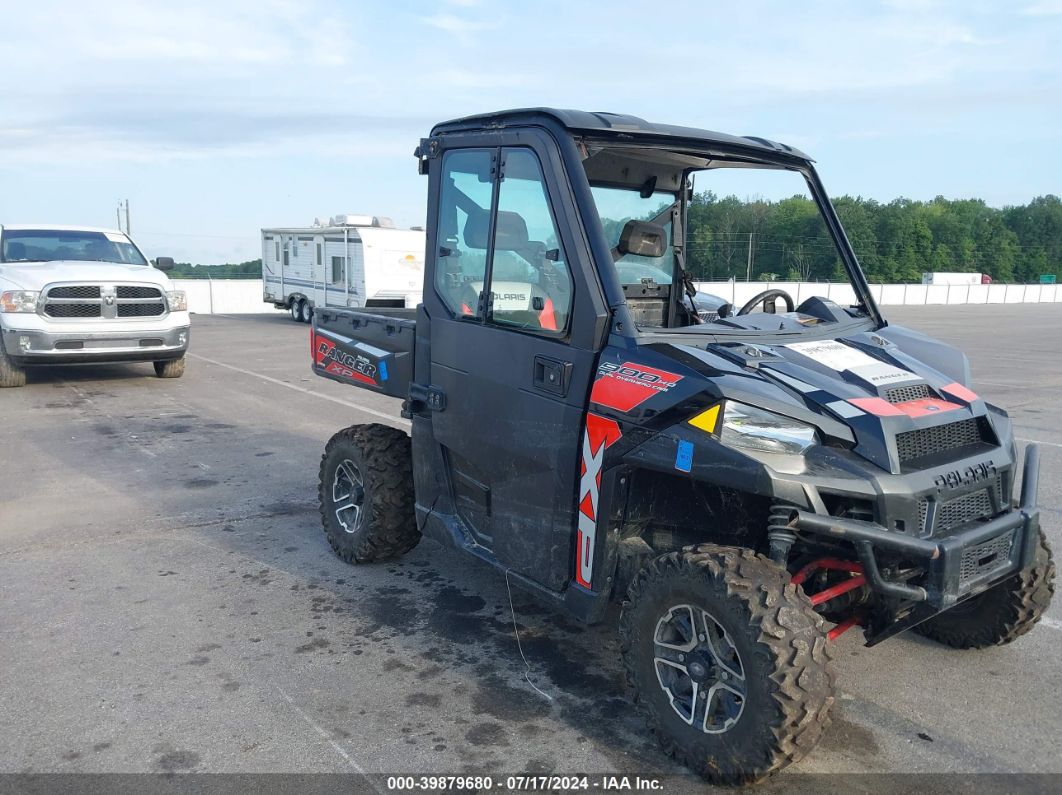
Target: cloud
(1044, 8)
(456, 26)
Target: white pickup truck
(83, 295)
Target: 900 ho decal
(628, 385)
(338, 362)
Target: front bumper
(40, 346)
(956, 567)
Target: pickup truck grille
(85, 301)
(141, 310)
(901, 394)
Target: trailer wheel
(296, 310)
(11, 375)
(728, 662)
(366, 494)
(171, 368)
(1002, 613)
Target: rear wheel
(171, 368)
(1002, 613)
(728, 660)
(366, 494)
(11, 375)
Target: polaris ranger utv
(739, 484)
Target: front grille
(985, 558)
(911, 445)
(141, 310)
(76, 291)
(901, 394)
(976, 505)
(73, 310)
(131, 291)
(82, 301)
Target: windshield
(617, 206)
(749, 228)
(51, 245)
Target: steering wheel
(762, 298)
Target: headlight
(19, 301)
(178, 300)
(757, 429)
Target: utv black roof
(607, 125)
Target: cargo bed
(370, 348)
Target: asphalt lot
(168, 601)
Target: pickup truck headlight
(757, 429)
(19, 301)
(178, 300)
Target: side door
(502, 302)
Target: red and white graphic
(923, 407)
(600, 434)
(338, 362)
(628, 385)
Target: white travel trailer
(352, 261)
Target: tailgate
(368, 350)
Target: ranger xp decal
(625, 386)
(335, 361)
(600, 433)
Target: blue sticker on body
(684, 456)
(383, 370)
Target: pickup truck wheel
(171, 368)
(11, 375)
(1002, 613)
(366, 494)
(728, 660)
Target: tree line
(252, 269)
(895, 241)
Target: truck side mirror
(164, 263)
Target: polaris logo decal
(600, 434)
(628, 385)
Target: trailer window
(277, 244)
(464, 215)
(338, 276)
(318, 253)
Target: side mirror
(164, 263)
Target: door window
(530, 282)
(463, 229)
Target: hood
(35, 275)
(872, 391)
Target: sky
(216, 118)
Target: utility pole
(119, 211)
(748, 275)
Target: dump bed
(370, 348)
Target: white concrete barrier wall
(244, 296)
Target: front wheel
(366, 494)
(296, 311)
(728, 661)
(11, 375)
(1001, 614)
(171, 368)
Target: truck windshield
(52, 245)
